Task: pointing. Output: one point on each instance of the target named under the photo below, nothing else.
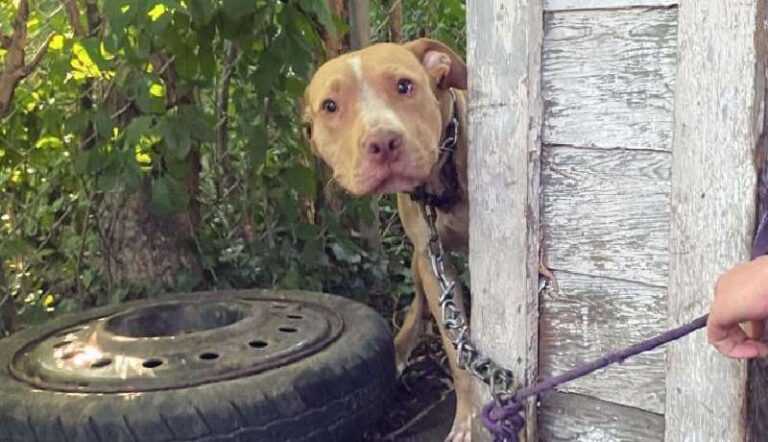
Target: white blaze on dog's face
(374, 115)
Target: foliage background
(157, 148)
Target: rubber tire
(332, 395)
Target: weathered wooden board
(567, 417)
(504, 54)
(718, 121)
(564, 5)
(589, 317)
(609, 77)
(606, 212)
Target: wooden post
(718, 112)
(505, 119)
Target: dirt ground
(423, 403)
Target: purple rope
(505, 418)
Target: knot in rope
(504, 419)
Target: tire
(334, 394)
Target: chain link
(499, 379)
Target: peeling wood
(718, 123)
(609, 78)
(591, 316)
(505, 67)
(576, 418)
(606, 213)
(565, 5)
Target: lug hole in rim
(209, 356)
(288, 329)
(152, 363)
(295, 317)
(258, 344)
(101, 363)
(62, 344)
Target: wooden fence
(614, 140)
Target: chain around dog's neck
(445, 166)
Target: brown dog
(377, 117)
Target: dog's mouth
(396, 183)
(388, 181)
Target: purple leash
(504, 418)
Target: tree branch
(73, 13)
(38, 57)
(16, 69)
(222, 118)
(5, 41)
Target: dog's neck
(447, 183)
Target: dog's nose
(383, 145)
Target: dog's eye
(404, 86)
(330, 106)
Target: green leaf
(120, 13)
(201, 11)
(78, 122)
(187, 63)
(236, 9)
(91, 161)
(146, 101)
(301, 179)
(344, 253)
(15, 247)
(139, 126)
(168, 196)
(177, 137)
(324, 16)
(257, 145)
(291, 279)
(199, 125)
(295, 86)
(92, 45)
(103, 124)
(307, 232)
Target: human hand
(741, 295)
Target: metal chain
(499, 379)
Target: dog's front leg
(413, 325)
(461, 431)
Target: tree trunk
(359, 23)
(334, 44)
(144, 249)
(395, 19)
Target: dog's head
(373, 115)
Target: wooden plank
(575, 418)
(504, 54)
(718, 112)
(609, 77)
(606, 212)
(565, 5)
(591, 316)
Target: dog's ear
(447, 68)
